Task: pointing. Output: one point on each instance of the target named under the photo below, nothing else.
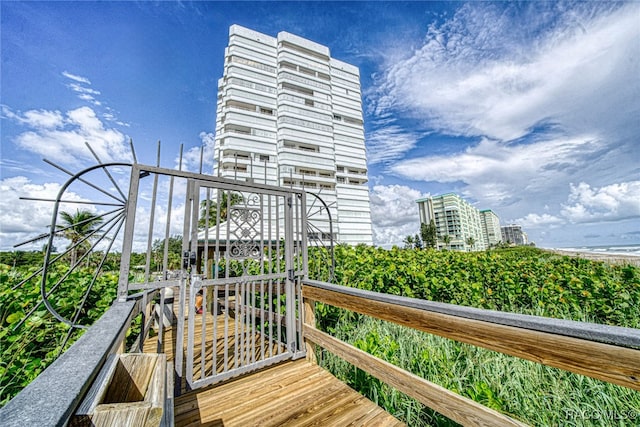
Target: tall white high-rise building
(513, 235)
(290, 115)
(490, 227)
(456, 218)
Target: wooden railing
(608, 353)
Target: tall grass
(533, 393)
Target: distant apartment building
(491, 232)
(514, 235)
(456, 218)
(289, 114)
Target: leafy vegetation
(522, 279)
(536, 394)
(21, 258)
(28, 346)
(519, 279)
(174, 253)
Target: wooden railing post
(310, 319)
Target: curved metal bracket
(331, 253)
(52, 233)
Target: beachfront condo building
(289, 114)
(456, 218)
(490, 228)
(513, 234)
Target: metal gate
(245, 248)
(244, 253)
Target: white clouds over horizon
(394, 213)
(591, 205)
(491, 171)
(613, 202)
(21, 220)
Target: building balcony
(312, 160)
(291, 57)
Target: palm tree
(76, 228)
(446, 239)
(470, 241)
(408, 242)
(213, 209)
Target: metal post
(127, 242)
(289, 267)
(179, 350)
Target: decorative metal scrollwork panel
(246, 229)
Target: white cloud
(494, 173)
(141, 230)
(613, 202)
(590, 205)
(61, 137)
(40, 119)
(534, 220)
(81, 89)
(388, 142)
(76, 78)
(394, 213)
(80, 85)
(481, 73)
(110, 116)
(191, 158)
(43, 119)
(21, 220)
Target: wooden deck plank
(330, 407)
(276, 408)
(293, 393)
(237, 391)
(273, 408)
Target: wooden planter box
(129, 391)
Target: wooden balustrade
(607, 353)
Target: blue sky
(531, 109)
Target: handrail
(573, 346)
(53, 396)
(616, 335)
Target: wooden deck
(294, 393)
